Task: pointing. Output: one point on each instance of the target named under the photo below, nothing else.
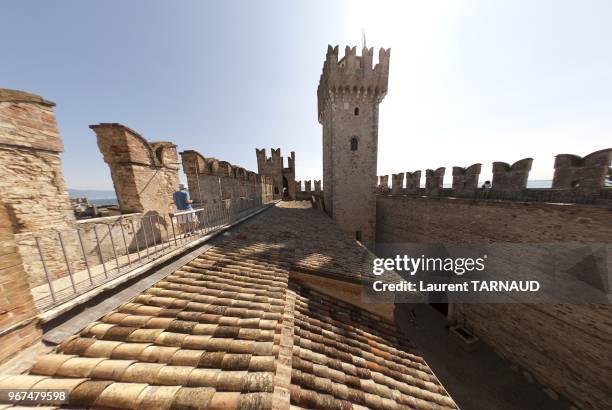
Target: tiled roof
(230, 330)
(345, 358)
(306, 240)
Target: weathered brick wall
(145, 175)
(16, 303)
(566, 347)
(32, 182)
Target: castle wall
(212, 181)
(145, 175)
(566, 347)
(16, 303)
(32, 182)
(576, 180)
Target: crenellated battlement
(383, 182)
(576, 180)
(413, 181)
(122, 145)
(307, 186)
(353, 77)
(305, 191)
(397, 183)
(211, 180)
(291, 163)
(282, 177)
(144, 173)
(434, 180)
(582, 174)
(513, 177)
(466, 179)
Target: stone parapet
(145, 174)
(584, 180)
(212, 181)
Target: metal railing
(74, 262)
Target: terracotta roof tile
(230, 330)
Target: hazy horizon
(470, 81)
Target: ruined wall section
(349, 93)
(32, 183)
(145, 175)
(565, 347)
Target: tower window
(354, 144)
(356, 110)
(358, 235)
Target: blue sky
(470, 81)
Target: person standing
(183, 203)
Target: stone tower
(349, 93)
(282, 178)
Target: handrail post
(84, 256)
(42, 259)
(127, 251)
(110, 234)
(67, 261)
(100, 251)
(173, 230)
(144, 232)
(136, 239)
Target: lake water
(104, 201)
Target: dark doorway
(439, 301)
(285, 188)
